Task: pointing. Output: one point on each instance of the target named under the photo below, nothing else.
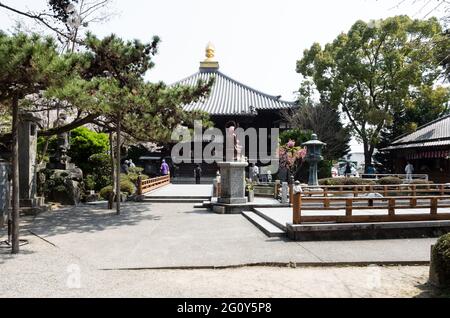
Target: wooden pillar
(413, 202)
(391, 207)
(434, 206)
(326, 201)
(277, 188)
(442, 189)
(297, 208)
(348, 207)
(139, 184)
(385, 191)
(414, 189)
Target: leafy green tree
(326, 123)
(28, 65)
(372, 70)
(84, 143)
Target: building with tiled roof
(428, 149)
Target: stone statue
(62, 140)
(235, 146)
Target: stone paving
(151, 235)
(77, 252)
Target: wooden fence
(385, 190)
(146, 186)
(429, 204)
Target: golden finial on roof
(209, 64)
(210, 52)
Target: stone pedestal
(232, 182)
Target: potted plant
(250, 190)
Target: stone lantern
(313, 157)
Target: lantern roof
(314, 142)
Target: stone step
(270, 220)
(265, 226)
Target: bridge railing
(146, 186)
(429, 204)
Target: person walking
(198, 174)
(165, 170)
(131, 163)
(409, 170)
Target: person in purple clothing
(164, 168)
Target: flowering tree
(291, 157)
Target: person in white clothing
(409, 170)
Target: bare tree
(67, 19)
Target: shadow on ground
(88, 218)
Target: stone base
(32, 203)
(227, 208)
(367, 231)
(232, 200)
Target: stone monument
(232, 171)
(28, 135)
(4, 190)
(65, 176)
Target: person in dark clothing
(198, 174)
(348, 170)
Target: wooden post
(326, 201)
(297, 208)
(442, 187)
(139, 184)
(414, 189)
(413, 202)
(355, 191)
(385, 191)
(391, 207)
(349, 207)
(434, 206)
(370, 202)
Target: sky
(257, 41)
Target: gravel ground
(43, 270)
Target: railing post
(413, 202)
(434, 206)
(297, 208)
(348, 207)
(442, 187)
(326, 201)
(139, 184)
(385, 191)
(391, 207)
(414, 188)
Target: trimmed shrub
(440, 271)
(126, 186)
(345, 181)
(421, 181)
(89, 182)
(390, 181)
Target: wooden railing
(384, 190)
(376, 176)
(146, 186)
(429, 204)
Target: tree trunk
(112, 197)
(368, 153)
(118, 193)
(15, 175)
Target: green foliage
(126, 186)
(374, 71)
(323, 120)
(441, 258)
(390, 181)
(101, 169)
(345, 181)
(298, 135)
(89, 182)
(83, 144)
